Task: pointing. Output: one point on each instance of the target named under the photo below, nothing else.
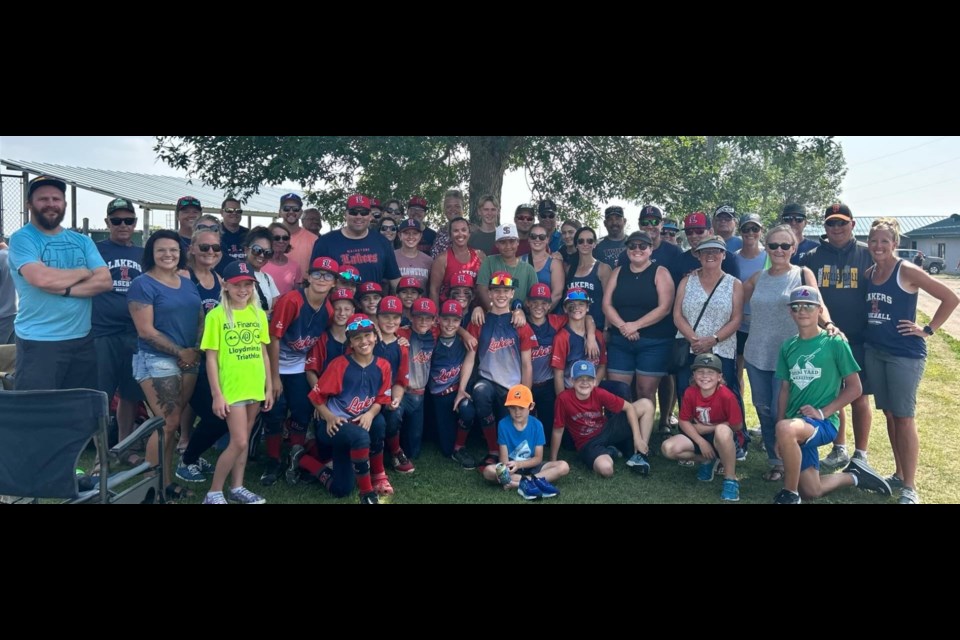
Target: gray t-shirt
(8, 292)
(748, 267)
(770, 321)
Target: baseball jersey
(568, 347)
(298, 326)
(349, 390)
(421, 353)
(446, 363)
(499, 347)
(542, 353)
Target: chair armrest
(145, 429)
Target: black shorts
(696, 448)
(615, 433)
(115, 365)
(741, 341)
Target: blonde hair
(887, 224)
(226, 303)
(781, 228)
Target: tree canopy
(581, 173)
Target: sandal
(175, 493)
(773, 475)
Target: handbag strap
(707, 301)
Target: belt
(415, 392)
(538, 385)
(448, 391)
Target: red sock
(393, 444)
(311, 465)
(490, 433)
(312, 448)
(274, 440)
(298, 438)
(461, 441)
(376, 464)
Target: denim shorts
(147, 366)
(645, 357)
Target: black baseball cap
(45, 181)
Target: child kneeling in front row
(521, 441)
(709, 416)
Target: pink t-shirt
(301, 243)
(286, 276)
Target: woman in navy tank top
(895, 345)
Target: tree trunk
(489, 158)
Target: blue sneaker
(731, 491)
(638, 464)
(528, 489)
(205, 467)
(547, 490)
(707, 469)
(190, 472)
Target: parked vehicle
(933, 264)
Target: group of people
(517, 329)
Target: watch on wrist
(66, 294)
(928, 330)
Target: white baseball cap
(507, 231)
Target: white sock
(861, 452)
(215, 494)
(856, 479)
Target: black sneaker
(867, 478)
(292, 473)
(271, 472)
(467, 461)
(787, 497)
(369, 498)
(490, 459)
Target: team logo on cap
(461, 280)
(507, 229)
(243, 268)
(326, 263)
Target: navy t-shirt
(110, 312)
(232, 246)
(665, 254)
(373, 255)
(176, 312)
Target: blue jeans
(765, 391)
(449, 421)
(294, 396)
(409, 418)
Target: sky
(886, 175)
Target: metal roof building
(862, 228)
(150, 192)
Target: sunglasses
(548, 214)
(293, 209)
(794, 218)
(649, 222)
(359, 212)
(206, 248)
(207, 227)
(539, 237)
(709, 252)
(642, 246)
(586, 240)
(837, 223)
(281, 238)
(803, 306)
(501, 281)
(696, 232)
(233, 211)
(669, 234)
(188, 203)
(783, 246)
(257, 250)
(360, 324)
(387, 228)
(524, 218)
(576, 296)
(119, 221)
(323, 275)
(349, 277)
(750, 230)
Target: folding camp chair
(43, 433)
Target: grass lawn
(440, 481)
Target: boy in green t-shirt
(820, 378)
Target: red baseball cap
(417, 201)
(325, 264)
(390, 304)
(410, 283)
(358, 201)
(696, 220)
(462, 279)
(539, 291)
(451, 308)
(423, 307)
(369, 287)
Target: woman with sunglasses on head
(458, 258)
(549, 271)
(768, 292)
(589, 274)
(259, 251)
(896, 346)
(638, 303)
(284, 271)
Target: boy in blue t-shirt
(521, 440)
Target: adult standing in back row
(609, 249)
(301, 238)
(355, 245)
(56, 272)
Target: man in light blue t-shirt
(56, 272)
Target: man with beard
(609, 249)
(56, 272)
(724, 221)
(301, 239)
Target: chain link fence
(11, 204)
